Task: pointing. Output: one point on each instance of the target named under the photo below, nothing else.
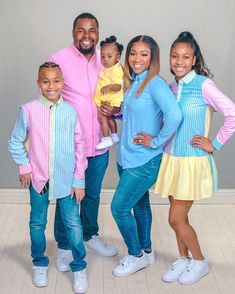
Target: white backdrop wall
(31, 30)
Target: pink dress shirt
(80, 79)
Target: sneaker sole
(63, 270)
(80, 291)
(169, 281)
(130, 273)
(100, 253)
(40, 285)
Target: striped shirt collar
(188, 78)
(48, 103)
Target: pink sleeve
(80, 156)
(224, 105)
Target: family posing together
(163, 141)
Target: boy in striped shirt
(53, 168)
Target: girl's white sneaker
(194, 272)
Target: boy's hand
(25, 180)
(79, 194)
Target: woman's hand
(143, 139)
(203, 143)
(107, 110)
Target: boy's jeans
(69, 212)
(132, 193)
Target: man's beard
(86, 51)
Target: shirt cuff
(217, 144)
(25, 168)
(78, 183)
(154, 144)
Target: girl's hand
(105, 90)
(203, 143)
(143, 139)
(79, 194)
(25, 180)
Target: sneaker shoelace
(39, 271)
(126, 260)
(80, 275)
(63, 258)
(97, 239)
(191, 264)
(174, 264)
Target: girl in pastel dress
(188, 170)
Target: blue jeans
(69, 213)
(131, 207)
(90, 204)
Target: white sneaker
(130, 264)
(151, 257)
(106, 142)
(80, 284)
(176, 269)
(194, 272)
(40, 277)
(96, 245)
(63, 259)
(115, 138)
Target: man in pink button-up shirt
(80, 65)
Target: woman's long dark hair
(154, 66)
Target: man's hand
(107, 110)
(25, 180)
(79, 194)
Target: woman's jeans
(69, 213)
(131, 207)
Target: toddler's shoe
(80, 284)
(98, 246)
(63, 259)
(176, 269)
(129, 265)
(106, 142)
(194, 272)
(115, 138)
(40, 277)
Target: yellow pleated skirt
(185, 178)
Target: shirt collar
(140, 77)
(93, 57)
(188, 78)
(50, 104)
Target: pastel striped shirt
(56, 147)
(198, 97)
